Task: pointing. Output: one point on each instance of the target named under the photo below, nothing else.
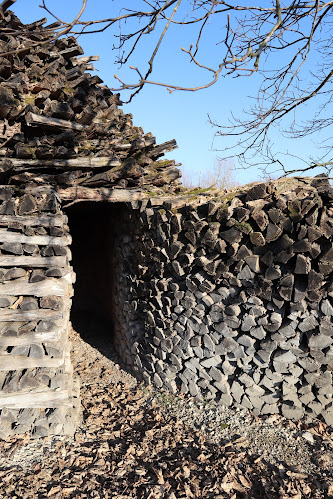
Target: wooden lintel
(100, 194)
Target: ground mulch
(129, 446)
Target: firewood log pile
(60, 126)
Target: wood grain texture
(15, 237)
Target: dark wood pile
(58, 124)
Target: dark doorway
(92, 227)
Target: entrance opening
(92, 227)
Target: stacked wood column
(36, 382)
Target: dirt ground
(134, 442)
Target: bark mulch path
(131, 446)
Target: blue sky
(181, 115)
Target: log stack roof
(59, 126)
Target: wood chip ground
(135, 443)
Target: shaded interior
(92, 227)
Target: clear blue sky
(181, 115)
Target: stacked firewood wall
(60, 126)
(36, 383)
(231, 297)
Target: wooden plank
(50, 286)
(33, 119)
(10, 315)
(28, 339)
(100, 194)
(15, 237)
(90, 162)
(13, 363)
(41, 220)
(33, 261)
(36, 399)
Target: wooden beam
(10, 315)
(33, 261)
(28, 339)
(33, 119)
(50, 286)
(15, 237)
(16, 362)
(100, 194)
(31, 221)
(89, 162)
(37, 399)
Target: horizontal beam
(15, 237)
(100, 194)
(33, 261)
(37, 221)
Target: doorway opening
(93, 227)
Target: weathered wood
(90, 162)
(35, 221)
(15, 237)
(36, 399)
(170, 145)
(33, 261)
(85, 59)
(33, 119)
(50, 286)
(12, 363)
(28, 339)
(8, 315)
(99, 194)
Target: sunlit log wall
(37, 393)
(231, 298)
